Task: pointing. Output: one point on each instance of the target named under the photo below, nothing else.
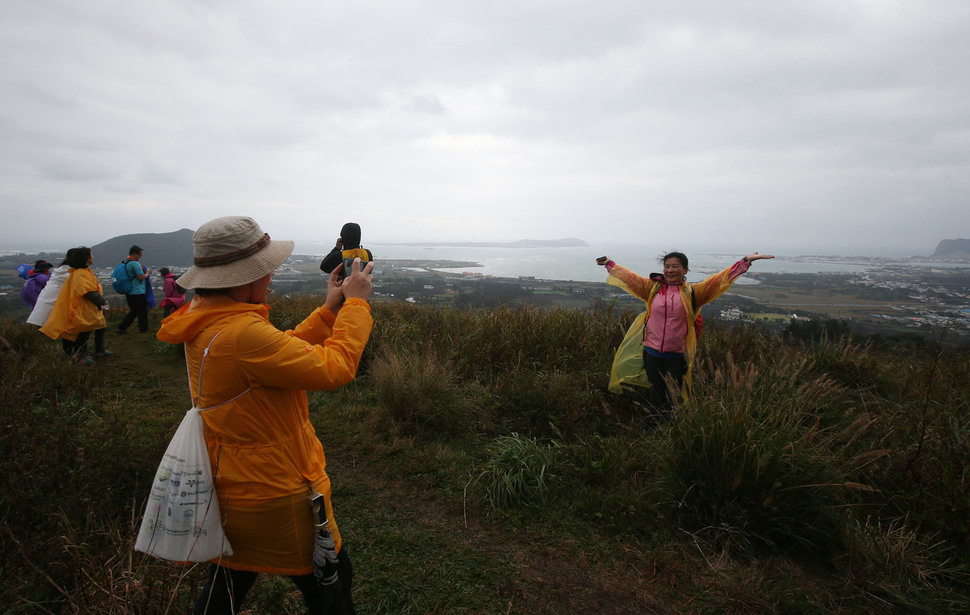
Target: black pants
(226, 589)
(657, 371)
(137, 308)
(79, 347)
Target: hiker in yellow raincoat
(79, 308)
(662, 342)
(249, 380)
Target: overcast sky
(813, 126)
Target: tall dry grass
(831, 451)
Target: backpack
(120, 280)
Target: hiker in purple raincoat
(36, 281)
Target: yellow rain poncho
(72, 313)
(628, 363)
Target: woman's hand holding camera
(356, 285)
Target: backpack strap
(693, 299)
(205, 354)
(648, 304)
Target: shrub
(75, 457)
(893, 565)
(742, 344)
(518, 473)
(489, 344)
(613, 482)
(286, 312)
(751, 475)
(547, 403)
(851, 364)
(419, 391)
(925, 426)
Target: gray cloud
(800, 126)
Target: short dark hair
(77, 258)
(135, 250)
(164, 271)
(212, 292)
(678, 255)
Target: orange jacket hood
(191, 319)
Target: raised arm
(621, 277)
(714, 286)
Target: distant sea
(577, 264)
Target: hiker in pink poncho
(661, 344)
(174, 296)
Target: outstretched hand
(754, 256)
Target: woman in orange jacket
(249, 380)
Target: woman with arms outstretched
(661, 344)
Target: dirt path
(541, 572)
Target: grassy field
(480, 466)
(834, 303)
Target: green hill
(161, 249)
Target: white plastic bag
(182, 522)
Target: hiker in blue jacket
(137, 297)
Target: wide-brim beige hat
(232, 251)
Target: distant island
(570, 242)
(175, 249)
(953, 248)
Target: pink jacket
(171, 290)
(666, 329)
